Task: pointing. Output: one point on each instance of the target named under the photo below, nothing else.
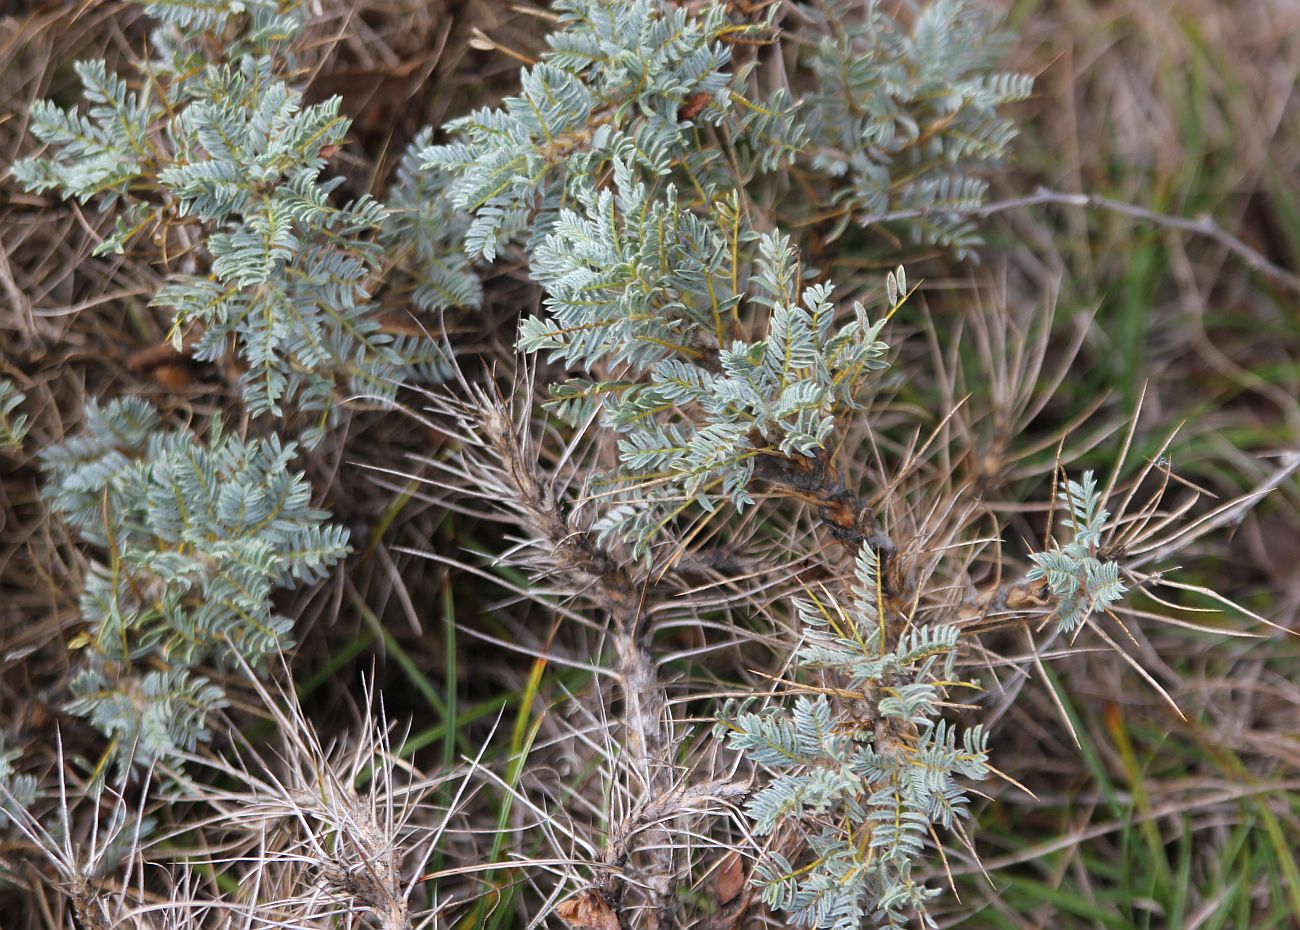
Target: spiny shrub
(721, 366)
(192, 540)
(643, 174)
(866, 763)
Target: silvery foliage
(630, 80)
(426, 232)
(863, 766)
(645, 288)
(192, 539)
(228, 145)
(655, 276)
(906, 110)
(17, 791)
(1081, 583)
(13, 422)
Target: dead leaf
(173, 377)
(588, 911)
(693, 105)
(403, 324)
(733, 892)
(164, 353)
(730, 881)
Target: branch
(810, 478)
(1202, 226)
(622, 596)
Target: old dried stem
(623, 596)
(1201, 226)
